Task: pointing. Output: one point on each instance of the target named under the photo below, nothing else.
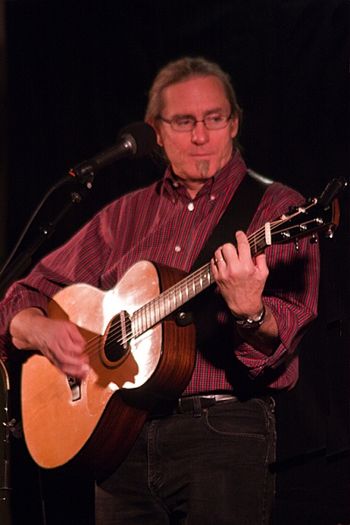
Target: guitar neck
(170, 300)
(177, 295)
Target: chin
(203, 168)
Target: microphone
(135, 140)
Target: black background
(79, 71)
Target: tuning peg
(330, 232)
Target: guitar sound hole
(119, 334)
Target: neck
(193, 187)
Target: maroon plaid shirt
(162, 224)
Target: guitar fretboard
(170, 300)
(179, 294)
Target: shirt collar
(216, 185)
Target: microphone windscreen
(142, 136)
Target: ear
(158, 134)
(234, 127)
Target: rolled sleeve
(291, 293)
(290, 329)
(293, 310)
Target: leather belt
(189, 404)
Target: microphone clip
(83, 173)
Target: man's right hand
(59, 340)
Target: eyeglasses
(188, 122)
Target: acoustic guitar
(139, 350)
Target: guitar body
(96, 421)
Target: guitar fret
(170, 300)
(135, 324)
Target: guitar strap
(237, 215)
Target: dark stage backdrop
(79, 71)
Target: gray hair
(183, 69)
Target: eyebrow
(209, 112)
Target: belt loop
(197, 407)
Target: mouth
(200, 154)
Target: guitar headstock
(313, 216)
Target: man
(204, 458)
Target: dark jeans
(203, 467)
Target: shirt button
(212, 197)
(190, 207)
(178, 248)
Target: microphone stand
(5, 489)
(17, 268)
(24, 260)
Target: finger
(77, 371)
(225, 253)
(66, 354)
(215, 268)
(69, 361)
(260, 261)
(243, 246)
(71, 341)
(219, 258)
(230, 256)
(74, 337)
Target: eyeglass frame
(194, 122)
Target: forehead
(195, 95)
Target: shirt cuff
(290, 330)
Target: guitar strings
(196, 278)
(150, 314)
(115, 333)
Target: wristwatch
(251, 323)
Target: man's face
(196, 155)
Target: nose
(200, 134)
